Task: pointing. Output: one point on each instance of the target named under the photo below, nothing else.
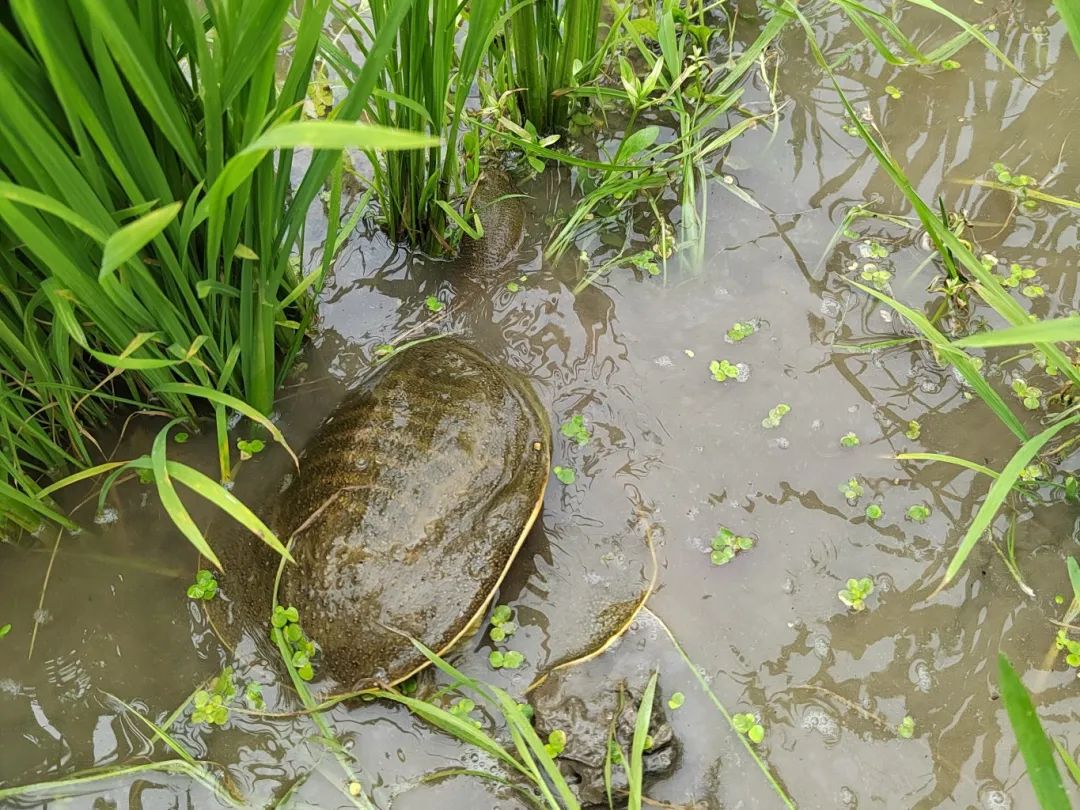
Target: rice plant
(548, 47)
(149, 230)
(423, 86)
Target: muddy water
(675, 454)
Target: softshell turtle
(411, 502)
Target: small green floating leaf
(5, 630)
(906, 728)
(874, 512)
(849, 440)
(914, 430)
(575, 430)
(433, 304)
(565, 474)
(676, 700)
(918, 512)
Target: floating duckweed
(565, 474)
(855, 593)
(511, 659)
(849, 440)
(574, 429)
(914, 430)
(434, 304)
(893, 92)
(1028, 394)
(747, 724)
(250, 447)
(1070, 647)
(723, 370)
(775, 415)
(676, 700)
(204, 587)
(874, 512)
(918, 512)
(556, 743)
(906, 728)
(727, 544)
(852, 490)
(740, 330)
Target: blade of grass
(1031, 739)
(999, 490)
(634, 769)
(1049, 331)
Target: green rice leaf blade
(1070, 15)
(1031, 739)
(998, 492)
(178, 513)
(1050, 331)
(133, 237)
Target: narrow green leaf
(178, 513)
(339, 135)
(998, 492)
(133, 237)
(1050, 331)
(1070, 15)
(1031, 739)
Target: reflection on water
(689, 454)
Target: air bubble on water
(42, 616)
(233, 419)
(929, 387)
(9, 687)
(789, 585)
(848, 799)
(817, 424)
(288, 479)
(106, 516)
(921, 676)
(830, 307)
(743, 372)
(822, 647)
(817, 719)
(228, 485)
(885, 315)
(593, 578)
(994, 799)
(663, 361)
(853, 409)
(781, 443)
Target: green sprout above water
(575, 430)
(556, 743)
(204, 587)
(747, 724)
(249, 447)
(849, 440)
(914, 430)
(775, 415)
(852, 490)
(949, 64)
(918, 512)
(874, 512)
(906, 727)
(676, 700)
(433, 304)
(565, 474)
(875, 250)
(856, 592)
(893, 92)
(727, 544)
(1028, 394)
(502, 624)
(740, 330)
(301, 648)
(180, 437)
(723, 370)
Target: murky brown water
(689, 455)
